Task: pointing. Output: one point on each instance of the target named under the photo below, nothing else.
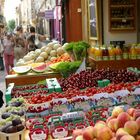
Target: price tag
(62, 100)
(137, 91)
(121, 93)
(101, 95)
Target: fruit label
(101, 95)
(138, 56)
(106, 102)
(38, 135)
(121, 93)
(98, 58)
(63, 108)
(125, 56)
(137, 91)
(105, 58)
(86, 106)
(80, 97)
(112, 57)
(59, 132)
(129, 99)
(60, 101)
(118, 57)
(133, 57)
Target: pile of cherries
(89, 78)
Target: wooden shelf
(118, 29)
(123, 18)
(122, 5)
(29, 78)
(114, 64)
(122, 24)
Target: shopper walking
(20, 49)
(35, 39)
(8, 44)
(1, 55)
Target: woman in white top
(8, 44)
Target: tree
(11, 25)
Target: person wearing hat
(8, 45)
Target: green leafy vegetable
(66, 68)
(70, 47)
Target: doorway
(138, 22)
(73, 20)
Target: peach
(138, 122)
(97, 128)
(116, 111)
(127, 137)
(138, 137)
(114, 138)
(88, 133)
(136, 114)
(121, 132)
(131, 127)
(76, 133)
(109, 118)
(113, 124)
(79, 137)
(132, 118)
(131, 111)
(105, 134)
(122, 119)
(101, 122)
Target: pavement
(2, 81)
(3, 87)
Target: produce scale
(100, 104)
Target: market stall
(67, 104)
(76, 103)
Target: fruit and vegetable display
(13, 116)
(121, 125)
(77, 50)
(46, 53)
(66, 68)
(90, 78)
(115, 53)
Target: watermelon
(22, 69)
(39, 68)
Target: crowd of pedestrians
(16, 45)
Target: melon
(39, 68)
(22, 69)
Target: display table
(30, 78)
(114, 64)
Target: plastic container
(138, 51)
(118, 53)
(125, 52)
(13, 136)
(105, 53)
(98, 54)
(133, 52)
(111, 53)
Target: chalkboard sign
(92, 19)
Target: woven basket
(13, 136)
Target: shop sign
(49, 14)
